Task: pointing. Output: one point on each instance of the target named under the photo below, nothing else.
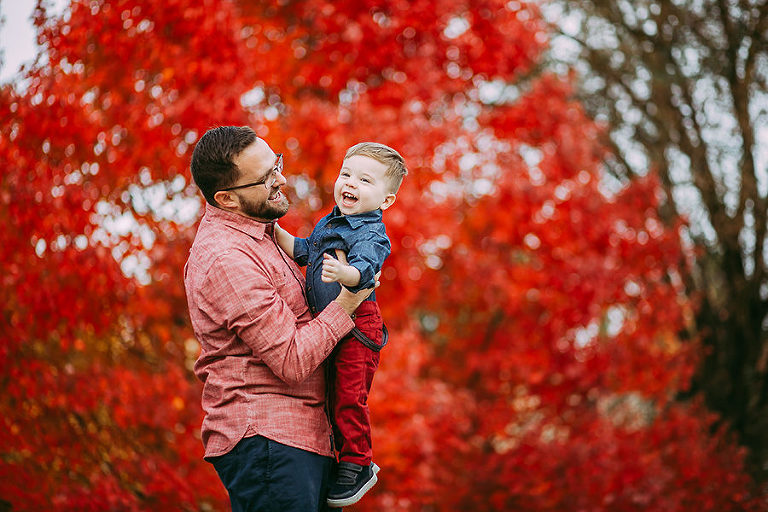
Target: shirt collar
(247, 225)
(358, 219)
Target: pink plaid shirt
(262, 353)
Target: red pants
(351, 375)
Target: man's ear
(388, 201)
(226, 199)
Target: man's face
(361, 186)
(256, 163)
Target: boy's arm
(285, 240)
(338, 270)
(366, 258)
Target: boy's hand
(347, 300)
(335, 270)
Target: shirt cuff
(300, 251)
(337, 319)
(367, 278)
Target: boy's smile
(348, 199)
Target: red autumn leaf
(537, 321)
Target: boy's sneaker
(352, 482)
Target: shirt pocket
(280, 277)
(290, 288)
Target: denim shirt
(362, 236)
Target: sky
(17, 44)
(17, 35)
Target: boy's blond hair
(395, 163)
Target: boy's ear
(226, 199)
(388, 201)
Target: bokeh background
(578, 288)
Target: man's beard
(266, 210)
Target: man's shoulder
(216, 242)
(211, 237)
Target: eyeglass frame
(268, 181)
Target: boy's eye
(345, 174)
(365, 180)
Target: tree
(535, 317)
(99, 409)
(682, 87)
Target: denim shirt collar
(358, 219)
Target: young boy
(348, 247)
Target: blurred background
(578, 288)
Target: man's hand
(349, 301)
(335, 270)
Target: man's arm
(242, 297)
(350, 300)
(285, 240)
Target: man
(265, 429)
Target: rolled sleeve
(367, 257)
(300, 251)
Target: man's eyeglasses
(268, 181)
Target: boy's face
(362, 186)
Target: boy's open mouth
(348, 199)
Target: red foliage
(537, 319)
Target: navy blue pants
(262, 475)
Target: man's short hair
(395, 163)
(213, 166)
